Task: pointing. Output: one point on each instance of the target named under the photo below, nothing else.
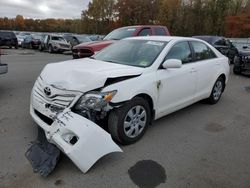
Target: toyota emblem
(47, 91)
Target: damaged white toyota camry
(128, 84)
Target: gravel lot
(202, 146)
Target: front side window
(58, 38)
(202, 51)
(180, 51)
(139, 53)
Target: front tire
(217, 91)
(129, 123)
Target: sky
(40, 9)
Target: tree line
(183, 17)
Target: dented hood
(85, 74)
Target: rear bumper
(3, 68)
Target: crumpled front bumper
(83, 141)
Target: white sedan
(128, 84)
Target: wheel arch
(150, 101)
(223, 76)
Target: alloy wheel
(135, 121)
(217, 90)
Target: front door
(177, 85)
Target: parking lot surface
(204, 146)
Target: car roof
(162, 38)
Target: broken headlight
(95, 100)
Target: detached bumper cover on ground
(80, 139)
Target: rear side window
(202, 51)
(180, 51)
(160, 31)
(145, 32)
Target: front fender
(128, 89)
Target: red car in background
(90, 48)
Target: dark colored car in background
(8, 38)
(242, 61)
(90, 48)
(32, 41)
(222, 44)
(54, 43)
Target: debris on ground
(43, 155)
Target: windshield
(21, 36)
(58, 38)
(83, 39)
(37, 37)
(139, 53)
(121, 33)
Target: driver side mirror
(172, 63)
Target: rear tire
(50, 49)
(217, 91)
(129, 123)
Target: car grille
(57, 97)
(46, 119)
(64, 45)
(86, 53)
(75, 50)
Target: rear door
(206, 64)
